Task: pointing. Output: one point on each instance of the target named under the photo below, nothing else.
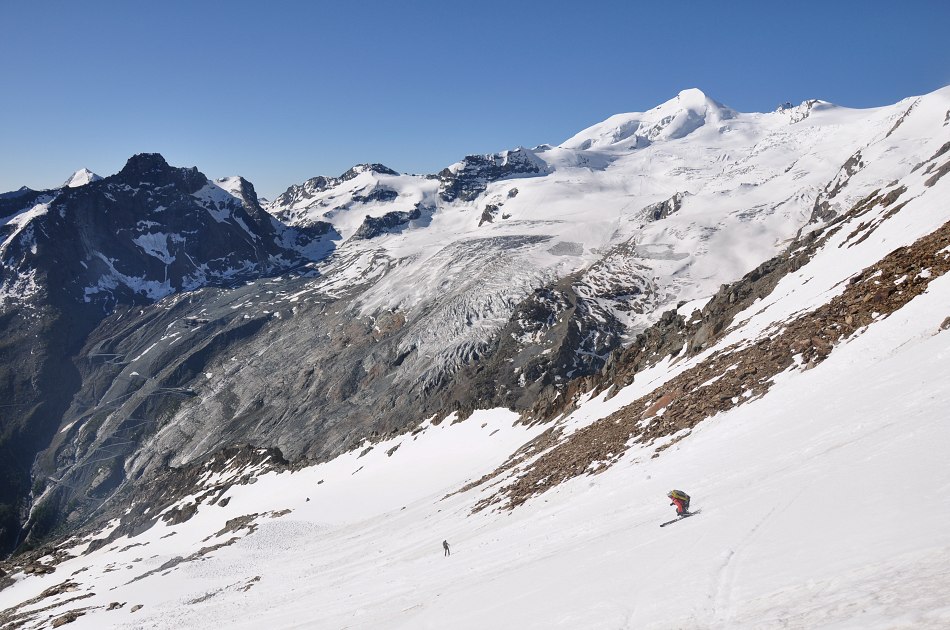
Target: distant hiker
(681, 500)
(445, 545)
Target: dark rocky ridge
(314, 185)
(389, 222)
(474, 174)
(13, 194)
(142, 234)
(129, 239)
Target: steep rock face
(388, 223)
(147, 232)
(71, 256)
(470, 177)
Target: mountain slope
(70, 257)
(809, 499)
(518, 280)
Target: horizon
(394, 85)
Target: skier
(681, 500)
(445, 545)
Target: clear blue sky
(279, 91)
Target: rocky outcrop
(469, 178)
(388, 223)
(315, 185)
(379, 194)
(663, 209)
(488, 214)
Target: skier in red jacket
(681, 500)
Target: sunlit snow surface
(80, 178)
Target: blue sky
(280, 91)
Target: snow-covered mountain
(677, 118)
(147, 232)
(750, 306)
(72, 256)
(80, 178)
(716, 178)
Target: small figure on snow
(681, 500)
(445, 545)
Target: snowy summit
(80, 178)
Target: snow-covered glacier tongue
(518, 355)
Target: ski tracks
(721, 592)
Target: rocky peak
(469, 178)
(315, 185)
(151, 168)
(241, 189)
(800, 112)
(379, 169)
(144, 163)
(19, 192)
